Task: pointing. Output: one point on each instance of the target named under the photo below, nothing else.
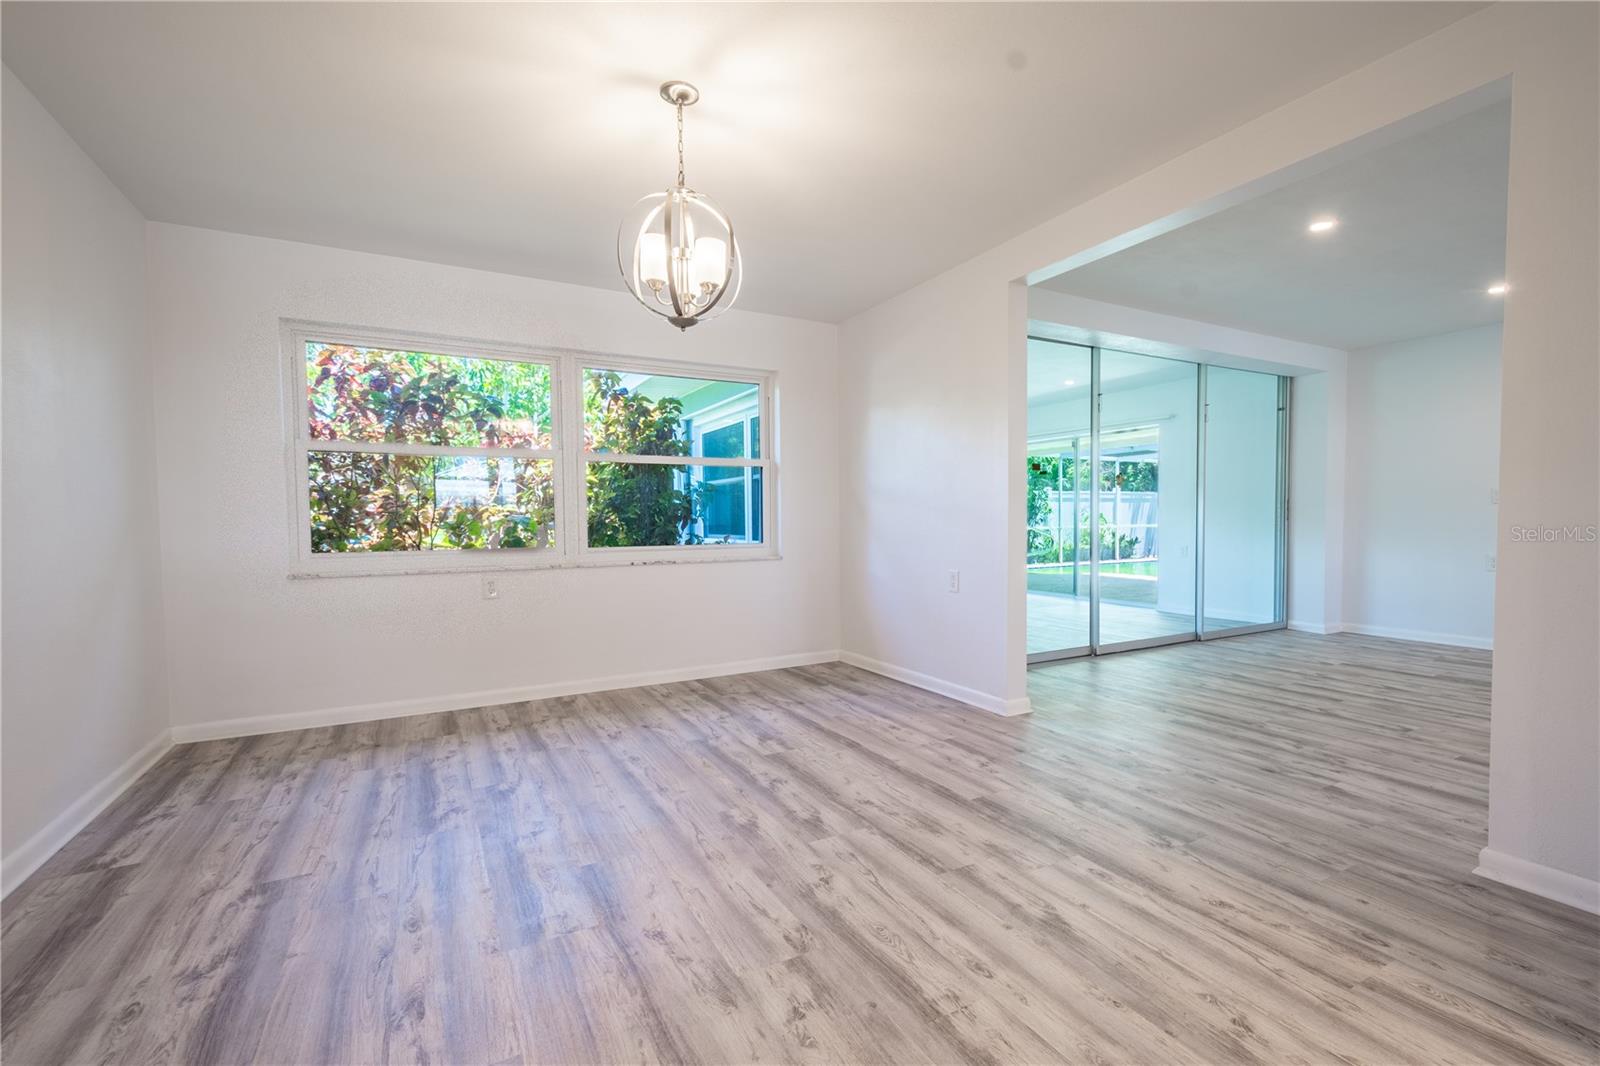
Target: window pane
(652, 414)
(1242, 523)
(374, 394)
(722, 503)
(369, 502)
(724, 443)
(1145, 537)
(755, 504)
(659, 505)
(1058, 464)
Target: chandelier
(676, 248)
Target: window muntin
(411, 456)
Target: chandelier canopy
(676, 248)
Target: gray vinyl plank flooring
(1254, 850)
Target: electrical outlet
(1489, 563)
(491, 589)
(953, 581)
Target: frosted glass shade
(653, 258)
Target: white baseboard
(970, 696)
(1018, 706)
(1458, 640)
(1317, 627)
(224, 728)
(18, 866)
(1546, 881)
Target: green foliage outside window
(372, 502)
(637, 504)
(379, 502)
(1043, 473)
(372, 394)
(1134, 477)
(375, 501)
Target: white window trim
(570, 459)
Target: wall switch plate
(491, 588)
(1489, 561)
(953, 581)
(1494, 497)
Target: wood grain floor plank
(1252, 850)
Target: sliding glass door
(1243, 529)
(1059, 490)
(1156, 495)
(1146, 500)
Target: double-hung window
(418, 455)
(651, 438)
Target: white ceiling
(1422, 234)
(859, 148)
(1056, 371)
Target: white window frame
(569, 458)
(766, 382)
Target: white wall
(920, 427)
(1424, 430)
(84, 693)
(249, 643)
(1544, 750)
(945, 372)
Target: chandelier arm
(672, 214)
(714, 296)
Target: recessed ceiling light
(1069, 381)
(1323, 225)
(1499, 288)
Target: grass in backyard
(1132, 568)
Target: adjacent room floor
(1057, 622)
(1254, 850)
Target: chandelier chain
(680, 146)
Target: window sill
(605, 557)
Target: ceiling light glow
(1499, 288)
(1323, 225)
